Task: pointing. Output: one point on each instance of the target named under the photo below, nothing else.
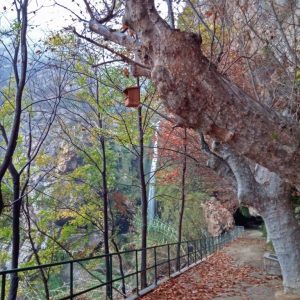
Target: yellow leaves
(206, 37)
(108, 133)
(87, 214)
(6, 108)
(57, 40)
(297, 77)
(42, 159)
(92, 211)
(66, 214)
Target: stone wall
(219, 219)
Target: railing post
(169, 263)
(188, 252)
(178, 256)
(110, 287)
(137, 271)
(155, 266)
(206, 246)
(71, 280)
(3, 286)
(195, 253)
(200, 249)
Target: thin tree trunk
(171, 14)
(181, 213)
(16, 212)
(105, 200)
(144, 201)
(105, 208)
(115, 244)
(120, 266)
(20, 82)
(35, 251)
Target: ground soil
(234, 273)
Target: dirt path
(235, 273)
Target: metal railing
(86, 276)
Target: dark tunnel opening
(243, 218)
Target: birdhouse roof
(130, 88)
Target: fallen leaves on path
(214, 277)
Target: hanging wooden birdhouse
(132, 98)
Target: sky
(48, 17)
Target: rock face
(218, 218)
(253, 212)
(68, 160)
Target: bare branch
(115, 36)
(137, 67)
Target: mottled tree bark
(202, 98)
(284, 233)
(271, 197)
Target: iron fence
(85, 278)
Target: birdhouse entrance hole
(132, 96)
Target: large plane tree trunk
(276, 208)
(284, 233)
(271, 197)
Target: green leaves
(16, 26)
(5, 233)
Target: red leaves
(218, 276)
